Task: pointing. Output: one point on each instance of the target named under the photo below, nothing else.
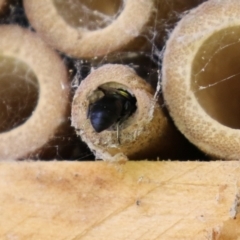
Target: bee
(111, 110)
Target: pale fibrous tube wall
(34, 93)
(89, 29)
(147, 133)
(201, 74)
(92, 28)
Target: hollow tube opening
(88, 14)
(215, 78)
(19, 92)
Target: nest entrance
(19, 93)
(216, 77)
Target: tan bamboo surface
(201, 77)
(79, 29)
(139, 200)
(65, 28)
(26, 59)
(148, 133)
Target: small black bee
(113, 108)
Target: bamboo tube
(200, 77)
(77, 29)
(87, 28)
(34, 93)
(145, 134)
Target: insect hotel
(119, 119)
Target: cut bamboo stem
(201, 77)
(34, 96)
(86, 28)
(145, 134)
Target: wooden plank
(99, 200)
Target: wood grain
(99, 200)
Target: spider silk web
(146, 62)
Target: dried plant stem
(51, 86)
(197, 74)
(147, 133)
(76, 39)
